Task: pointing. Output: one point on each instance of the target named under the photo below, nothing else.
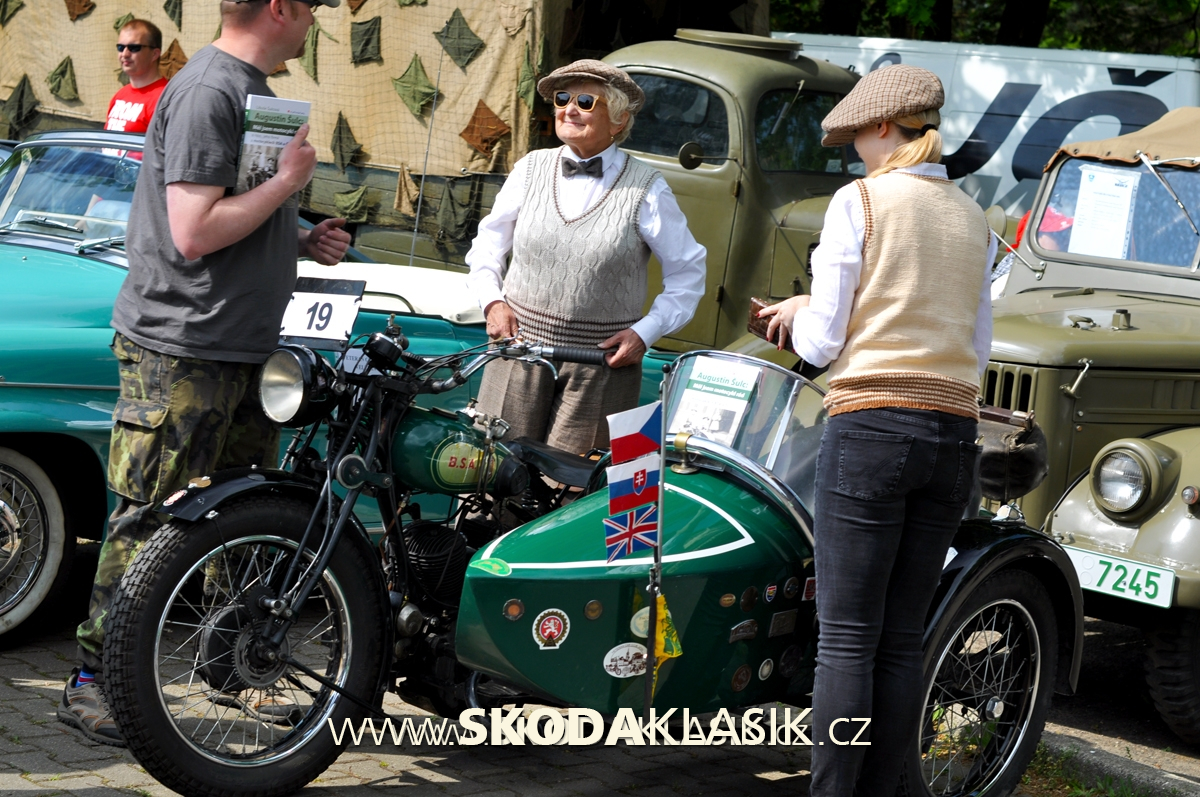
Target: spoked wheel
(988, 691)
(208, 706)
(35, 552)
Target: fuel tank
(543, 608)
(435, 451)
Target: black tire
(35, 551)
(183, 682)
(1000, 652)
(1173, 675)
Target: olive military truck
(1097, 335)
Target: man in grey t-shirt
(210, 274)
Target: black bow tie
(592, 168)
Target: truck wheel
(35, 552)
(988, 686)
(204, 705)
(1173, 675)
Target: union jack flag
(636, 530)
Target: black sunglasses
(133, 48)
(584, 102)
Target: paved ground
(39, 755)
(1110, 724)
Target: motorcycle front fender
(209, 493)
(980, 550)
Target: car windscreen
(676, 112)
(787, 132)
(1121, 212)
(59, 187)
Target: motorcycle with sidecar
(262, 612)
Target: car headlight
(1121, 481)
(1131, 478)
(294, 386)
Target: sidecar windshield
(760, 410)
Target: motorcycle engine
(437, 555)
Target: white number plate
(322, 313)
(1123, 578)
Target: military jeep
(1097, 333)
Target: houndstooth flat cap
(887, 93)
(590, 69)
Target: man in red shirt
(139, 46)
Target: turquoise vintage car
(64, 201)
(64, 198)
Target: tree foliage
(1169, 27)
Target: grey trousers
(568, 413)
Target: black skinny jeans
(892, 485)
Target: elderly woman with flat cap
(901, 308)
(581, 222)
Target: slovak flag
(636, 530)
(632, 484)
(636, 432)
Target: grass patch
(1050, 775)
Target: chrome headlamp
(1132, 477)
(295, 386)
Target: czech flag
(636, 530)
(632, 484)
(636, 432)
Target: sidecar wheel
(203, 705)
(35, 551)
(988, 686)
(1173, 675)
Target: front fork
(283, 609)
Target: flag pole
(653, 588)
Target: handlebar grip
(577, 354)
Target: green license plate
(1123, 578)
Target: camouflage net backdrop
(381, 75)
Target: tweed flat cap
(887, 93)
(591, 69)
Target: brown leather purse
(754, 324)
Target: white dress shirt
(819, 330)
(660, 221)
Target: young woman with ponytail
(901, 308)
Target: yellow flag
(666, 638)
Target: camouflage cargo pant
(177, 419)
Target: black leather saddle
(561, 466)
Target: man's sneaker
(271, 707)
(277, 708)
(84, 707)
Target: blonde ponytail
(920, 147)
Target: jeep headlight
(1120, 482)
(1132, 478)
(294, 386)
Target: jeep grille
(1009, 386)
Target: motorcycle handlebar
(566, 354)
(575, 354)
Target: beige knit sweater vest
(577, 282)
(909, 341)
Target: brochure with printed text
(271, 122)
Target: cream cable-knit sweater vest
(577, 282)
(909, 341)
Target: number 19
(321, 314)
